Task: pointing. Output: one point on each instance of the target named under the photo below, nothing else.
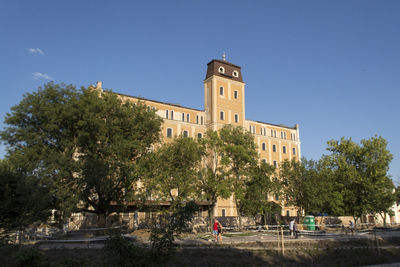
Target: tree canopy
(83, 144)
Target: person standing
(291, 223)
(219, 231)
(215, 229)
(295, 230)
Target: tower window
(235, 94)
(221, 90)
(273, 148)
(236, 118)
(221, 115)
(284, 149)
(235, 74)
(169, 132)
(263, 146)
(185, 133)
(294, 151)
(221, 69)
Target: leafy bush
(121, 252)
(30, 257)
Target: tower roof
(224, 69)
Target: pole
(277, 232)
(283, 243)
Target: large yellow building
(224, 103)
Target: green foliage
(261, 184)
(30, 257)
(121, 252)
(163, 235)
(23, 199)
(360, 172)
(239, 156)
(211, 182)
(82, 145)
(173, 169)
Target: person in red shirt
(217, 230)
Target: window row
(235, 93)
(185, 117)
(222, 116)
(184, 133)
(235, 73)
(263, 147)
(273, 133)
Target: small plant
(30, 257)
(121, 252)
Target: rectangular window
(254, 129)
(236, 118)
(264, 161)
(188, 117)
(199, 135)
(294, 151)
(263, 146)
(235, 94)
(275, 164)
(169, 132)
(166, 114)
(201, 120)
(183, 116)
(172, 114)
(185, 134)
(221, 115)
(288, 213)
(276, 197)
(284, 149)
(223, 213)
(282, 135)
(221, 90)
(272, 133)
(273, 148)
(197, 119)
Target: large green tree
(309, 186)
(360, 172)
(262, 183)
(212, 183)
(23, 200)
(84, 144)
(173, 171)
(239, 156)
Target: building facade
(224, 103)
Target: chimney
(98, 85)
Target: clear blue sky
(331, 66)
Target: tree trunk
(102, 220)
(211, 215)
(239, 215)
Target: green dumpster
(309, 223)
